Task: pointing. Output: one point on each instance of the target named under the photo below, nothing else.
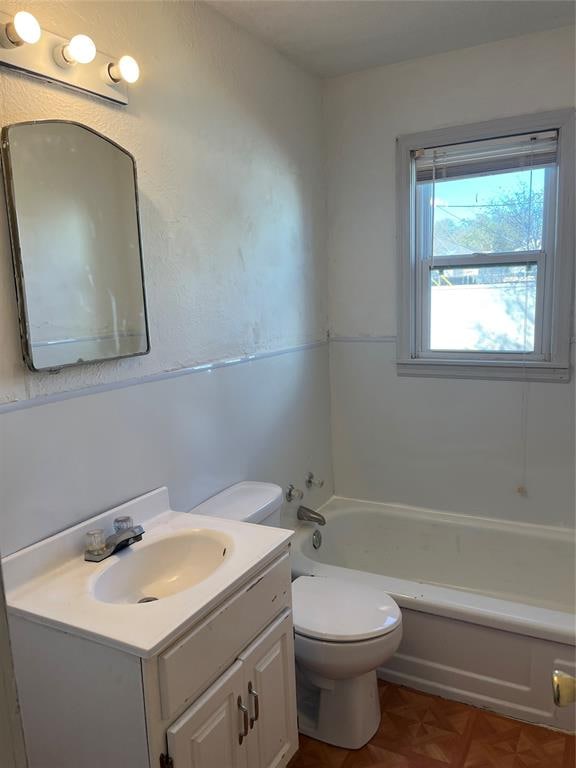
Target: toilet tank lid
(248, 501)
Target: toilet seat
(339, 611)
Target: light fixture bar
(38, 61)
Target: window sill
(500, 371)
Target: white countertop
(51, 583)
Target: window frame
(550, 360)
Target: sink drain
(147, 600)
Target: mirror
(73, 212)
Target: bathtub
(487, 605)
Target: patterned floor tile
(497, 742)
(316, 754)
(570, 753)
(416, 724)
(418, 730)
(375, 757)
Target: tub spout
(310, 516)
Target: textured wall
(227, 139)
(365, 112)
(197, 433)
(459, 445)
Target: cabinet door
(271, 690)
(207, 734)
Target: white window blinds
(535, 150)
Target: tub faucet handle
(293, 493)
(311, 482)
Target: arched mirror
(73, 211)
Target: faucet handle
(293, 493)
(311, 482)
(123, 523)
(96, 541)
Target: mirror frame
(17, 262)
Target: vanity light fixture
(126, 69)
(79, 50)
(27, 47)
(23, 28)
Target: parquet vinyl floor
(419, 730)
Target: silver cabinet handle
(256, 699)
(244, 711)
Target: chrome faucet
(310, 516)
(98, 547)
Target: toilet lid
(341, 611)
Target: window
(486, 249)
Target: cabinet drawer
(191, 664)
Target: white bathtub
(488, 606)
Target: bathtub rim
(335, 504)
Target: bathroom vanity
(201, 677)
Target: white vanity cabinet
(219, 695)
(269, 671)
(246, 719)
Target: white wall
(227, 137)
(227, 140)
(456, 445)
(447, 444)
(196, 433)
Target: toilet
(343, 629)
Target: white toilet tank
(248, 501)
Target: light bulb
(27, 27)
(81, 49)
(23, 28)
(129, 69)
(126, 69)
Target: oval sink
(162, 567)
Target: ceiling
(334, 37)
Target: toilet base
(345, 713)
